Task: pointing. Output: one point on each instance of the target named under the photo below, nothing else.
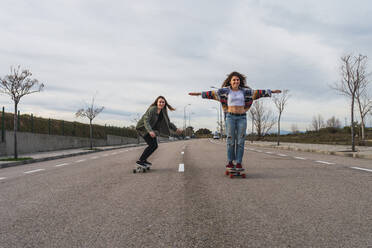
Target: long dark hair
(242, 78)
(155, 103)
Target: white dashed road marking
(363, 169)
(81, 160)
(300, 158)
(59, 165)
(282, 155)
(33, 171)
(181, 168)
(2, 178)
(323, 162)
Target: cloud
(127, 53)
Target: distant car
(216, 136)
(187, 137)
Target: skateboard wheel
(231, 175)
(134, 170)
(227, 173)
(148, 168)
(243, 175)
(144, 170)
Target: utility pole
(220, 119)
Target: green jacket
(149, 119)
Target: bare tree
(364, 106)
(18, 84)
(317, 123)
(333, 122)
(280, 102)
(353, 78)
(263, 118)
(90, 112)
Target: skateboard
(235, 173)
(142, 169)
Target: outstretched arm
(174, 128)
(276, 91)
(206, 94)
(195, 93)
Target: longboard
(140, 168)
(235, 173)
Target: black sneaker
(147, 163)
(141, 164)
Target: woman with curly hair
(236, 99)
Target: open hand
(179, 131)
(194, 93)
(276, 91)
(152, 134)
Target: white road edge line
(32, 171)
(323, 162)
(181, 168)
(269, 152)
(2, 178)
(363, 169)
(81, 160)
(59, 165)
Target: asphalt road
(289, 199)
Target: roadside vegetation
(334, 136)
(34, 124)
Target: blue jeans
(236, 127)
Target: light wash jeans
(236, 127)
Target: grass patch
(14, 159)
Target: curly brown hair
(155, 103)
(242, 78)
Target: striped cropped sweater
(223, 93)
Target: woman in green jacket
(153, 123)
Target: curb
(344, 154)
(31, 161)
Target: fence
(32, 124)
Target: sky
(126, 53)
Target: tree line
(354, 84)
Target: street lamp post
(218, 119)
(184, 119)
(221, 125)
(190, 113)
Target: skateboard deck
(235, 173)
(142, 169)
